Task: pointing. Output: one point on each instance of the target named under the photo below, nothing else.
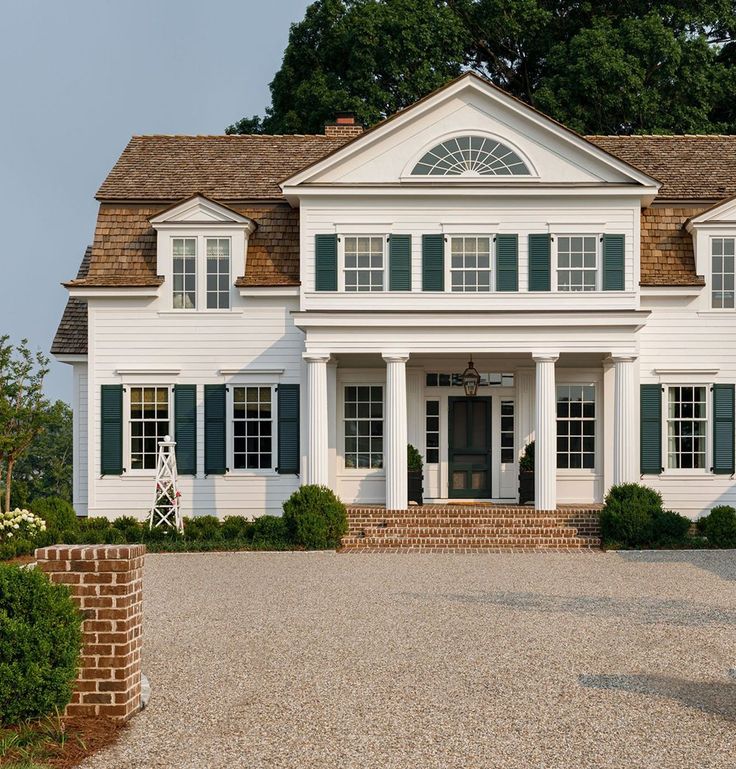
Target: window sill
(686, 475)
(199, 313)
(236, 474)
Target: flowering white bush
(20, 524)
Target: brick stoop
(471, 528)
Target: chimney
(344, 126)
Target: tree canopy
(599, 66)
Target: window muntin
(218, 273)
(363, 421)
(577, 262)
(432, 432)
(507, 432)
(148, 423)
(364, 263)
(687, 427)
(722, 273)
(433, 379)
(184, 273)
(470, 263)
(252, 427)
(576, 427)
(471, 156)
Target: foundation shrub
(719, 526)
(57, 512)
(40, 632)
(270, 531)
(237, 527)
(203, 528)
(315, 518)
(627, 518)
(670, 529)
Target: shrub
(57, 512)
(628, 515)
(670, 529)
(20, 524)
(130, 527)
(414, 458)
(315, 518)
(527, 458)
(270, 530)
(203, 527)
(237, 527)
(720, 526)
(40, 628)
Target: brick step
(479, 543)
(500, 522)
(488, 533)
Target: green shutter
(507, 263)
(650, 416)
(325, 249)
(723, 419)
(288, 410)
(111, 407)
(433, 263)
(539, 263)
(399, 263)
(613, 262)
(215, 462)
(185, 428)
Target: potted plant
(526, 475)
(416, 476)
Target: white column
(545, 454)
(524, 407)
(395, 433)
(624, 419)
(317, 418)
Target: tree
(22, 404)
(599, 66)
(45, 470)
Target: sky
(77, 79)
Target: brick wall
(348, 130)
(107, 583)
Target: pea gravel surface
(436, 661)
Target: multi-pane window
(218, 273)
(687, 421)
(185, 273)
(507, 432)
(470, 263)
(148, 424)
(577, 262)
(364, 426)
(575, 426)
(432, 432)
(456, 380)
(722, 272)
(364, 266)
(252, 428)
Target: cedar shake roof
(667, 257)
(71, 336)
(690, 167)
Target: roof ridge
(660, 136)
(233, 136)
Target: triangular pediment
(721, 213)
(544, 152)
(201, 210)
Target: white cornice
(90, 292)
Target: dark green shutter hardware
(111, 408)
(613, 262)
(215, 461)
(325, 249)
(723, 429)
(507, 262)
(185, 428)
(539, 263)
(288, 426)
(399, 263)
(433, 263)
(650, 423)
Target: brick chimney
(344, 126)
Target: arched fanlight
(471, 379)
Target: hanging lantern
(471, 379)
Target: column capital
(395, 357)
(316, 357)
(622, 358)
(545, 357)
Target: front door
(469, 433)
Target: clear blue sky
(77, 79)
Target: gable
(201, 210)
(723, 213)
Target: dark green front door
(470, 448)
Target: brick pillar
(106, 581)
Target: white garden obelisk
(165, 509)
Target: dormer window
(471, 156)
(218, 273)
(184, 273)
(722, 273)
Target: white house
(299, 308)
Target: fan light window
(471, 156)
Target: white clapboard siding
(80, 438)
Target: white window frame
(201, 239)
(196, 272)
(711, 241)
(230, 430)
(502, 432)
(341, 238)
(127, 438)
(597, 423)
(699, 471)
(448, 236)
(218, 291)
(343, 419)
(555, 261)
(438, 431)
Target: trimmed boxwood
(40, 643)
(57, 512)
(719, 526)
(315, 518)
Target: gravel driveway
(436, 661)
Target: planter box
(416, 486)
(526, 486)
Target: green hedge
(315, 518)
(719, 526)
(40, 643)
